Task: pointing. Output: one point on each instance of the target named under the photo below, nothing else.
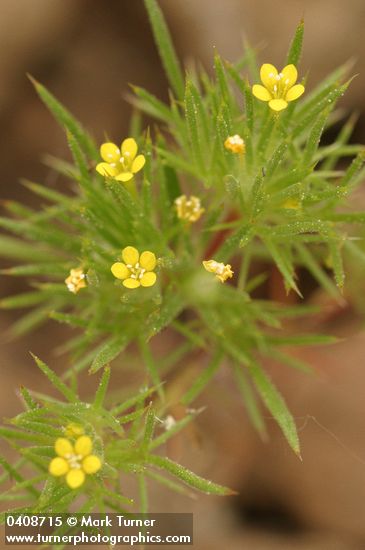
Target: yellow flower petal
(148, 279)
(129, 148)
(83, 445)
(138, 163)
(124, 176)
(294, 92)
(267, 74)
(120, 270)
(75, 478)
(63, 446)
(130, 255)
(278, 104)
(290, 75)
(110, 152)
(131, 283)
(106, 170)
(91, 464)
(148, 260)
(261, 93)
(58, 467)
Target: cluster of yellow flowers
(74, 458)
(121, 164)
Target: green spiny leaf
(64, 117)
(55, 380)
(112, 348)
(102, 388)
(296, 45)
(165, 47)
(202, 380)
(352, 173)
(276, 405)
(188, 477)
(249, 401)
(149, 429)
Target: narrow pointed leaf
(188, 477)
(165, 47)
(276, 405)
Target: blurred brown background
(86, 53)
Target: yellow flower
(221, 271)
(188, 208)
(278, 88)
(73, 430)
(76, 280)
(74, 461)
(135, 270)
(120, 164)
(292, 204)
(235, 144)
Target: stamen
(136, 270)
(74, 461)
